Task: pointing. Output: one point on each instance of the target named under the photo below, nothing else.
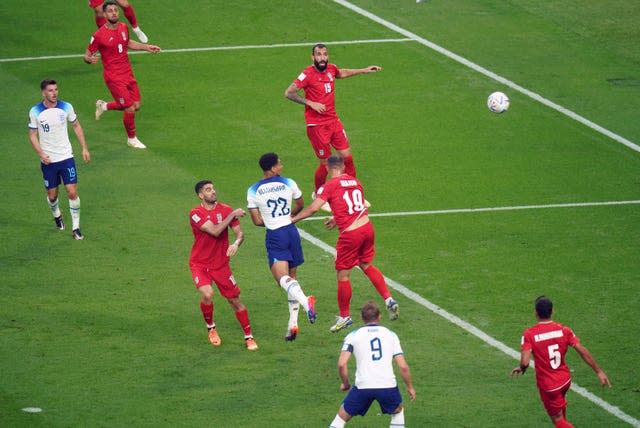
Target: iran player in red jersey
(355, 246)
(112, 41)
(324, 129)
(209, 260)
(548, 342)
(129, 13)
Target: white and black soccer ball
(498, 102)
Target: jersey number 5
(554, 356)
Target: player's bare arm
(33, 137)
(299, 205)
(343, 370)
(217, 229)
(292, 94)
(77, 128)
(256, 218)
(588, 358)
(91, 57)
(235, 246)
(405, 373)
(137, 46)
(308, 211)
(348, 72)
(525, 359)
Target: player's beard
(113, 21)
(320, 65)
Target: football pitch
(476, 214)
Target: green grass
(107, 332)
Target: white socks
(74, 207)
(54, 206)
(397, 419)
(338, 422)
(294, 291)
(293, 313)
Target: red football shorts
(554, 401)
(355, 247)
(325, 136)
(223, 278)
(124, 92)
(95, 3)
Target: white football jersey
(51, 124)
(373, 347)
(273, 197)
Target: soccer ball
(498, 102)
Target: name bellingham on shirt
(273, 189)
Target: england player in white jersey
(271, 203)
(50, 139)
(375, 348)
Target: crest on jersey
(330, 75)
(219, 217)
(124, 36)
(62, 117)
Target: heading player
(355, 246)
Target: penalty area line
(410, 294)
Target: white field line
(490, 74)
(507, 208)
(476, 332)
(216, 48)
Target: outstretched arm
(588, 358)
(308, 211)
(137, 46)
(348, 72)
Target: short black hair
(200, 184)
(370, 312)
(544, 307)
(47, 82)
(317, 46)
(107, 3)
(335, 160)
(268, 161)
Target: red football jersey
(207, 250)
(346, 198)
(318, 87)
(113, 48)
(549, 342)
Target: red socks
(349, 167)
(320, 176)
(207, 312)
(129, 120)
(377, 279)
(243, 318)
(130, 14)
(344, 297)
